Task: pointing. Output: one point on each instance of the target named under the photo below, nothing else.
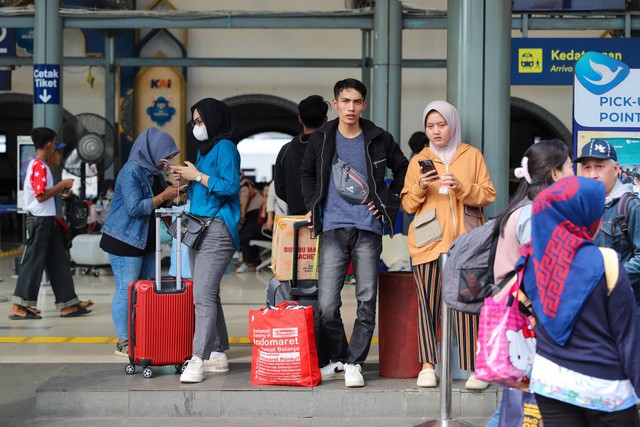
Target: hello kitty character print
(522, 349)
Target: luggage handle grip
(294, 265)
(162, 212)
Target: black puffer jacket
(382, 153)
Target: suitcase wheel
(180, 368)
(147, 372)
(130, 369)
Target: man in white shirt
(45, 248)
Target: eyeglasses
(197, 121)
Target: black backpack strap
(495, 236)
(622, 213)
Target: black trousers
(251, 231)
(45, 250)
(560, 414)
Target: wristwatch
(199, 177)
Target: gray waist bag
(350, 184)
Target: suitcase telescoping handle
(162, 212)
(296, 239)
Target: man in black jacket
(359, 152)
(312, 113)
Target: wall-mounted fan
(90, 144)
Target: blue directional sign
(7, 41)
(46, 84)
(552, 61)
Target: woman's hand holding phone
(428, 173)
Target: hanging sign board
(551, 61)
(46, 84)
(606, 105)
(160, 102)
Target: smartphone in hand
(426, 165)
(168, 163)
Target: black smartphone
(426, 165)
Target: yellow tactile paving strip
(97, 340)
(12, 252)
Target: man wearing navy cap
(620, 227)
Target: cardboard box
(282, 250)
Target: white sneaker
(244, 268)
(332, 371)
(217, 363)
(353, 375)
(194, 371)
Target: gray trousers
(208, 264)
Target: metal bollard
(445, 368)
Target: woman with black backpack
(542, 164)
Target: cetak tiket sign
(46, 84)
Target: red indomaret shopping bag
(284, 346)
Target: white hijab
(450, 114)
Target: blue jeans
(494, 421)
(337, 248)
(126, 269)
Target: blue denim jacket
(612, 236)
(132, 204)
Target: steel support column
(465, 71)
(497, 100)
(394, 89)
(109, 90)
(387, 66)
(478, 83)
(47, 49)
(378, 101)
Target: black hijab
(218, 120)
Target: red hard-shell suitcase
(161, 315)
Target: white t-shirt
(37, 180)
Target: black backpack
(621, 220)
(467, 275)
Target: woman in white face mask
(213, 193)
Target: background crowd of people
(587, 368)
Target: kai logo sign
(600, 73)
(529, 60)
(160, 83)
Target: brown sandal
(85, 304)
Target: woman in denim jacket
(214, 193)
(129, 231)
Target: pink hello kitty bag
(506, 341)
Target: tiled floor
(91, 338)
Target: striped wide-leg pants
(429, 288)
